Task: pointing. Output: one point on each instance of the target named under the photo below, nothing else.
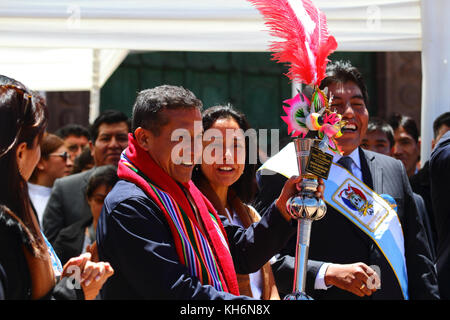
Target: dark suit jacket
(421, 184)
(134, 237)
(425, 216)
(67, 204)
(335, 239)
(70, 240)
(440, 179)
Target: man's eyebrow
(358, 96)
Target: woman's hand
(93, 277)
(92, 274)
(292, 188)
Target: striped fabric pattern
(198, 256)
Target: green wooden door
(251, 82)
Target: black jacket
(421, 184)
(440, 179)
(335, 239)
(69, 241)
(15, 281)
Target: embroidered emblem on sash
(351, 196)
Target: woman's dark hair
(245, 187)
(408, 124)
(23, 117)
(342, 72)
(104, 175)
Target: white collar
(39, 189)
(354, 155)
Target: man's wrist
(320, 282)
(282, 209)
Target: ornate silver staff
(306, 208)
(305, 46)
(319, 126)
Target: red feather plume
(307, 42)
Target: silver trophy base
(297, 296)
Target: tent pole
(435, 69)
(94, 107)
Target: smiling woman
(226, 177)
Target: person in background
(380, 138)
(79, 237)
(54, 163)
(75, 137)
(338, 240)
(406, 142)
(228, 182)
(420, 182)
(159, 231)
(84, 161)
(67, 203)
(440, 177)
(29, 269)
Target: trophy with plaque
(311, 122)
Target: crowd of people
(141, 218)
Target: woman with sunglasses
(54, 163)
(29, 269)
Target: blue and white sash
(369, 211)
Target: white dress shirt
(39, 196)
(356, 169)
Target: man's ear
(433, 144)
(143, 138)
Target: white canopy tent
(64, 45)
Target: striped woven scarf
(206, 256)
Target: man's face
(178, 162)
(75, 145)
(406, 149)
(376, 141)
(349, 102)
(111, 141)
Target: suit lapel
(371, 172)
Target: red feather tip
(307, 42)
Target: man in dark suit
(68, 203)
(440, 175)
(420, 182)
(335, 238)
(380, 138)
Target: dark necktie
(346, 162)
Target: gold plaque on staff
(319, 163)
